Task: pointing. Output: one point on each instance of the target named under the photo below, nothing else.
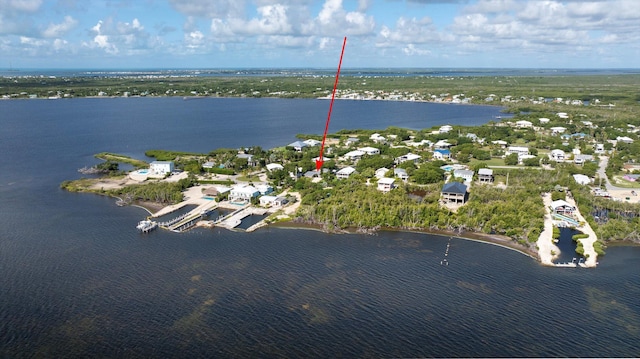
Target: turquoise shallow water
(79, 281)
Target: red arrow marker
(320, 160)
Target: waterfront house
(485, 175)
(264, 189)
(298, 145)
(273, 201)
(466, 175)
(445, 129)
(345, 172)
(454, 192)
(386, 184)
(208, 165)
(562, 207)
(243, 193)
(312, 142)
(161, 167)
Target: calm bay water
(78, 280)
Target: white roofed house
(401, 173)
(354, 155)
(298, 145)
(381, 172)
(408, 157)
(581, 159)
(274, 167)
(557, 130)
(370, 150)
(312, 142)
(562, 207)
(523, 124)
(466, 175)
(345, 172)
(378, 138)
(557, 155)
(386, 184)
(445, 129)
(243, 193)
(161, 167)
(582, 179)
(519, 150)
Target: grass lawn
(492, 162)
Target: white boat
(146, 225)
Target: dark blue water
(77, 280)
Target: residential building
(557, 155)
(378, 138)
(581, 159)
(370, 150)
(354, 155)
(466, 175)
(161, 167)
(445, 129)
(345, 172)
(581, 179)
(519, 150)
(401, 173)
(381, 172)
(273, 201)
(454, 192)
(298, 145)
(386, 184)
(441, 154)
(485, 175)
(243, 193)
(312, 142)
(274, 167)
(562, 207)
(557, 130)
(408, 157)
(523, 124)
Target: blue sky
(309, 33)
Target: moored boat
(146, 225)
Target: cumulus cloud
(333, 19)
(58, 30)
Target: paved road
(601, 172)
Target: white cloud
(8, 6)
(333, 20)
(58, 30)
